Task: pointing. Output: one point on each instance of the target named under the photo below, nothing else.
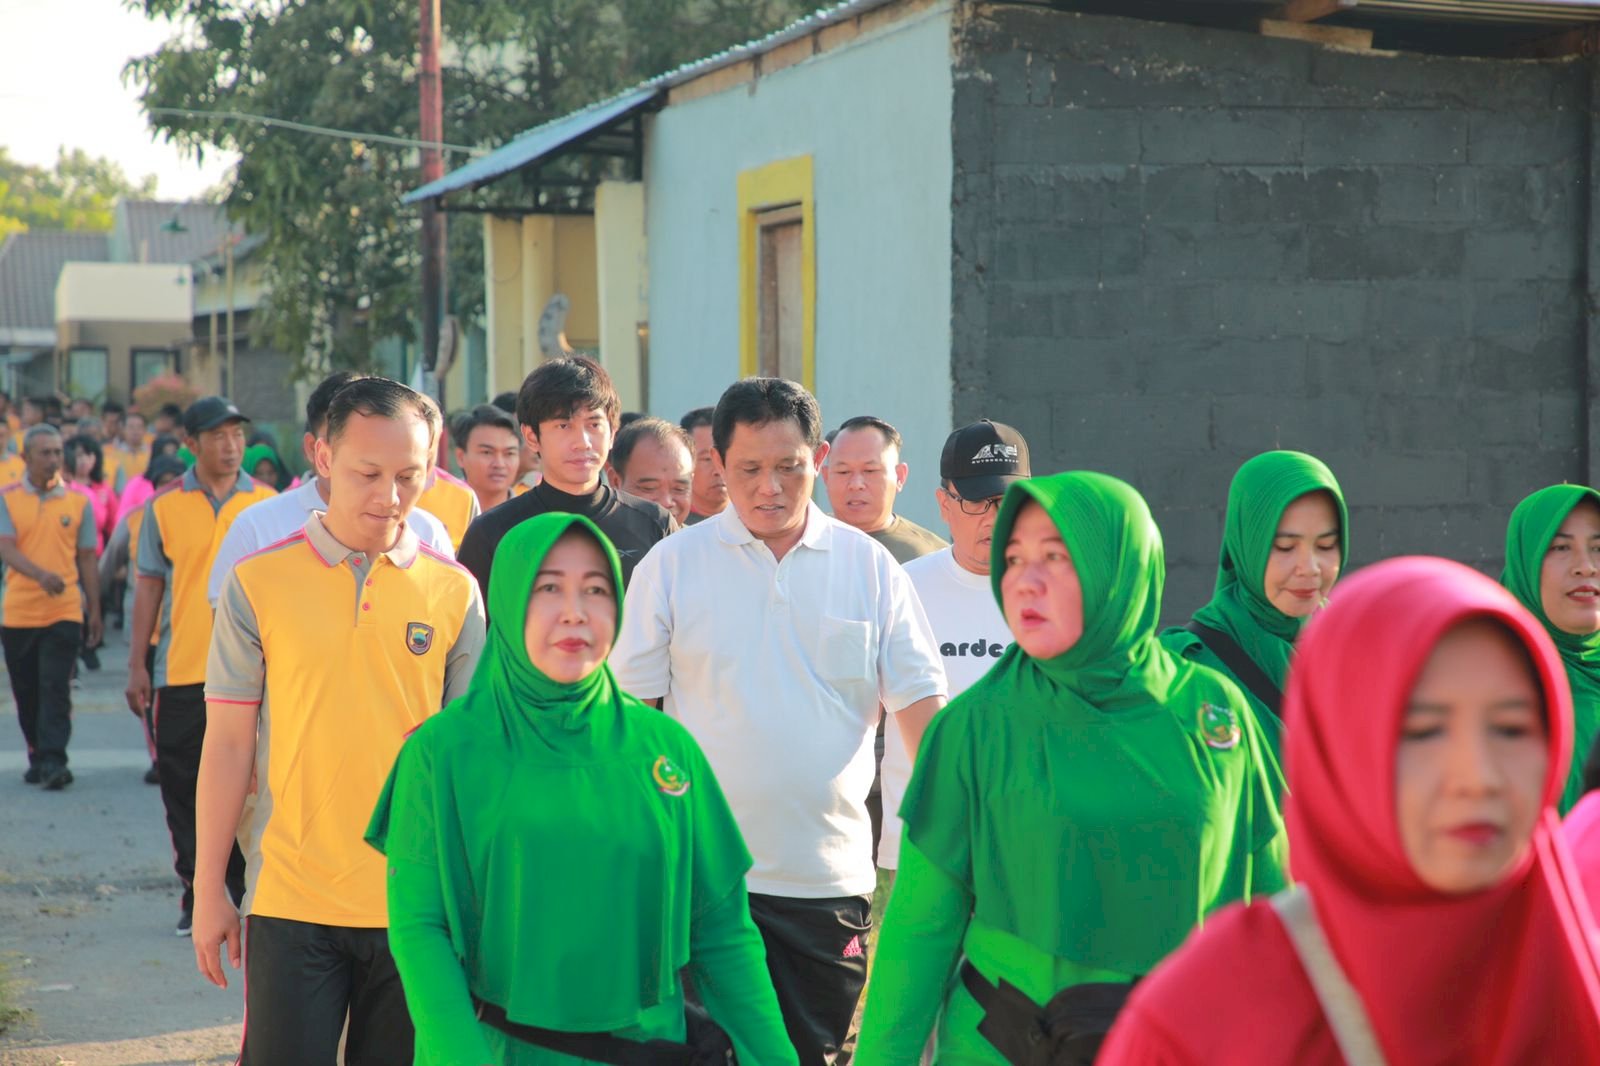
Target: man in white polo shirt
(285, 514)
(979, 462)
(773, 632)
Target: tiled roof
(139, 233)
(30, 264)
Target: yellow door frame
(784, 183)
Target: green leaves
(340, 252)
(79, 193)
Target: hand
(52, 583)
(215, 922)
(138, 690)
(96, 630)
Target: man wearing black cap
(978, 463)
(176, 543)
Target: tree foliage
(79, 193)
(340, 254)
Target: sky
(61, 87)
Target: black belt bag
(707, 1044)
(1067, 1031)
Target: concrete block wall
(1177, 247)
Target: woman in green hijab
(1284, 542)
(1074, 814)
(557, 850)
(1553, 567)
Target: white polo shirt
(284, 515)
(778, 669)
(972, 635)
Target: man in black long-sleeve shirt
(569, 410)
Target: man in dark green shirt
(863, 474)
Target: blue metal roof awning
(564, 134)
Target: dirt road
(88, 903)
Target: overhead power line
(323, 131)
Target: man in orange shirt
(12, 466)
(329, 647)
(47, 541)
(177, 543)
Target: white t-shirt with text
(972, 635)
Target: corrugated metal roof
(30, 264)
(545, 141)
(538, 143)
(140, 232)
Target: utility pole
(227, 258)
(431, 126)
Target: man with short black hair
(569, 409)
(708, 494)
(285, 514)
(168, 420)
(329, 647)
(863, 475)
(47, 541)
(774, 633)
(487, 451)
(651, 459)
(528, 458)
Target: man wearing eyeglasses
(978, 463)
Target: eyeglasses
(975, 508)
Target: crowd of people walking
(611, 748)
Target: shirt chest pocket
(845, 651)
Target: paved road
(88, 902)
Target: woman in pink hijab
(1438, 916)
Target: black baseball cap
(982, 459)
(209, 412)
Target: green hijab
(257, 452)
(1533, 525)
(1098, 803)
(533, 798)
(1116, 549)
(1262, 489)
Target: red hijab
(1499, 977)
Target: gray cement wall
(1177, 247)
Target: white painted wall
(125, 292)
(875, 116)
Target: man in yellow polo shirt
(176, 544)
(47, 541)
(329, 647)
(12, 465)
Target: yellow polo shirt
(50, 527)
(344, 654)
(451, 501)
(177, 543)
(12, 468)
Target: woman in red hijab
(1428, 730)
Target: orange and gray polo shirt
(177, 542)
(451, 501)
(12, 468)
(50, 527)
(344, 654)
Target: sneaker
(55, 778)
(32, 776)
(151, 777)
(185, 923)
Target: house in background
(1158, 236)
(171, 289)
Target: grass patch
(10, 1013)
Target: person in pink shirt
(86, 471)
